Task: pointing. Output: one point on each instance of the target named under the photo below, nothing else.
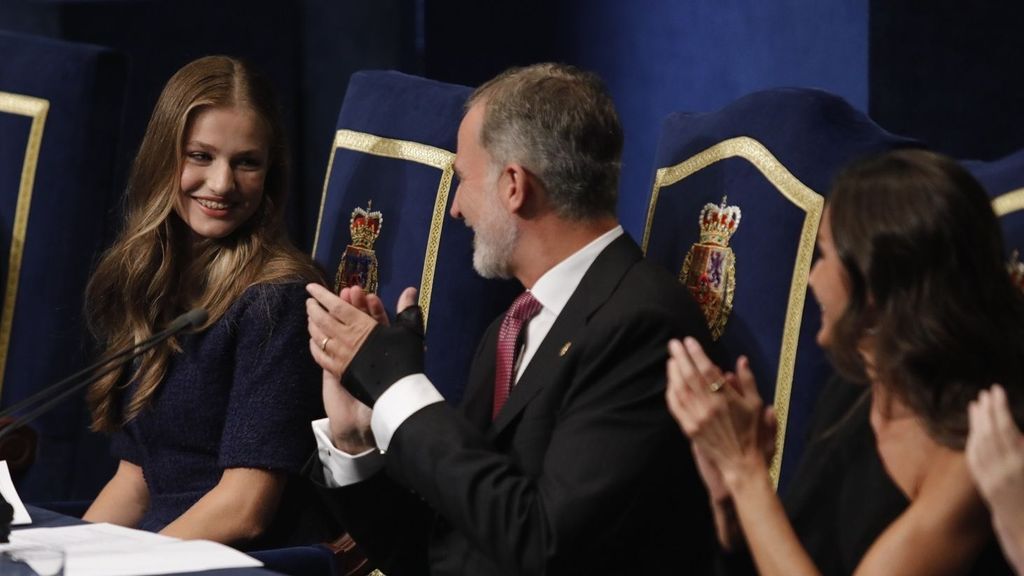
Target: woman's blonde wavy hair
(154, 271)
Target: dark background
(943, 71)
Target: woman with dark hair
(208, 427)
(916, 304)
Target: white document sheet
(11, 495)
(109, 550)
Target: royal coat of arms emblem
(709, 270)
(358, 266)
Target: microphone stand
(46, 399)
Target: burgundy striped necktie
(523, 309)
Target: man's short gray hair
(560, 123)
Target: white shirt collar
(554, 288)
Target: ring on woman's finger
(716, 386)
(323, 343)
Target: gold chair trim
(36, 109)
(432, 156)
(1010, 202)
(812, 203)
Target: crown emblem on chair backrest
(364, 226)
(709, 270)
(718, 223)
(358, 266)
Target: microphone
(49, 397)
(194, 318)
(46, 398)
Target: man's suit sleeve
(610, 432)
(389, 523)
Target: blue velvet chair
(772, 155)
(300, 560)
(60, 109)
(1003, 179)
(393, 155)
(384, 225)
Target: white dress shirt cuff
(403, 399)
(341, 468)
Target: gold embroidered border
(36, 109)
(432, 156)
(804, 198)
(1010, 202)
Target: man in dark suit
(563, 458)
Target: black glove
(411, 318)
(389, 354)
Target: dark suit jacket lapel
(479, 397)
(593, 291)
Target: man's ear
(516, 187)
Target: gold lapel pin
(565, 348)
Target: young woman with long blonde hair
(209, 426)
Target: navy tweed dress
(240, 395)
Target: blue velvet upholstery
(298, 560)
(394, 147)
(1003, 179)
(773, 154)
(60, 106)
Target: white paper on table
(10, 493)
(109, 550)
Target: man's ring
(323, 343)
(716, 386)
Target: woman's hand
(709, 473)
(995, 458)
(733, 436)
(721, 413)
(995, 451)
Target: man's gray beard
(492, 250)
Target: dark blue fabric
(298, 560)
(1000, 177)
(813, 134)
(659, 56)
(396, 105)
(402, 107)
(47, 518)
(70, 508)
(71, 199)
(241, 394)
